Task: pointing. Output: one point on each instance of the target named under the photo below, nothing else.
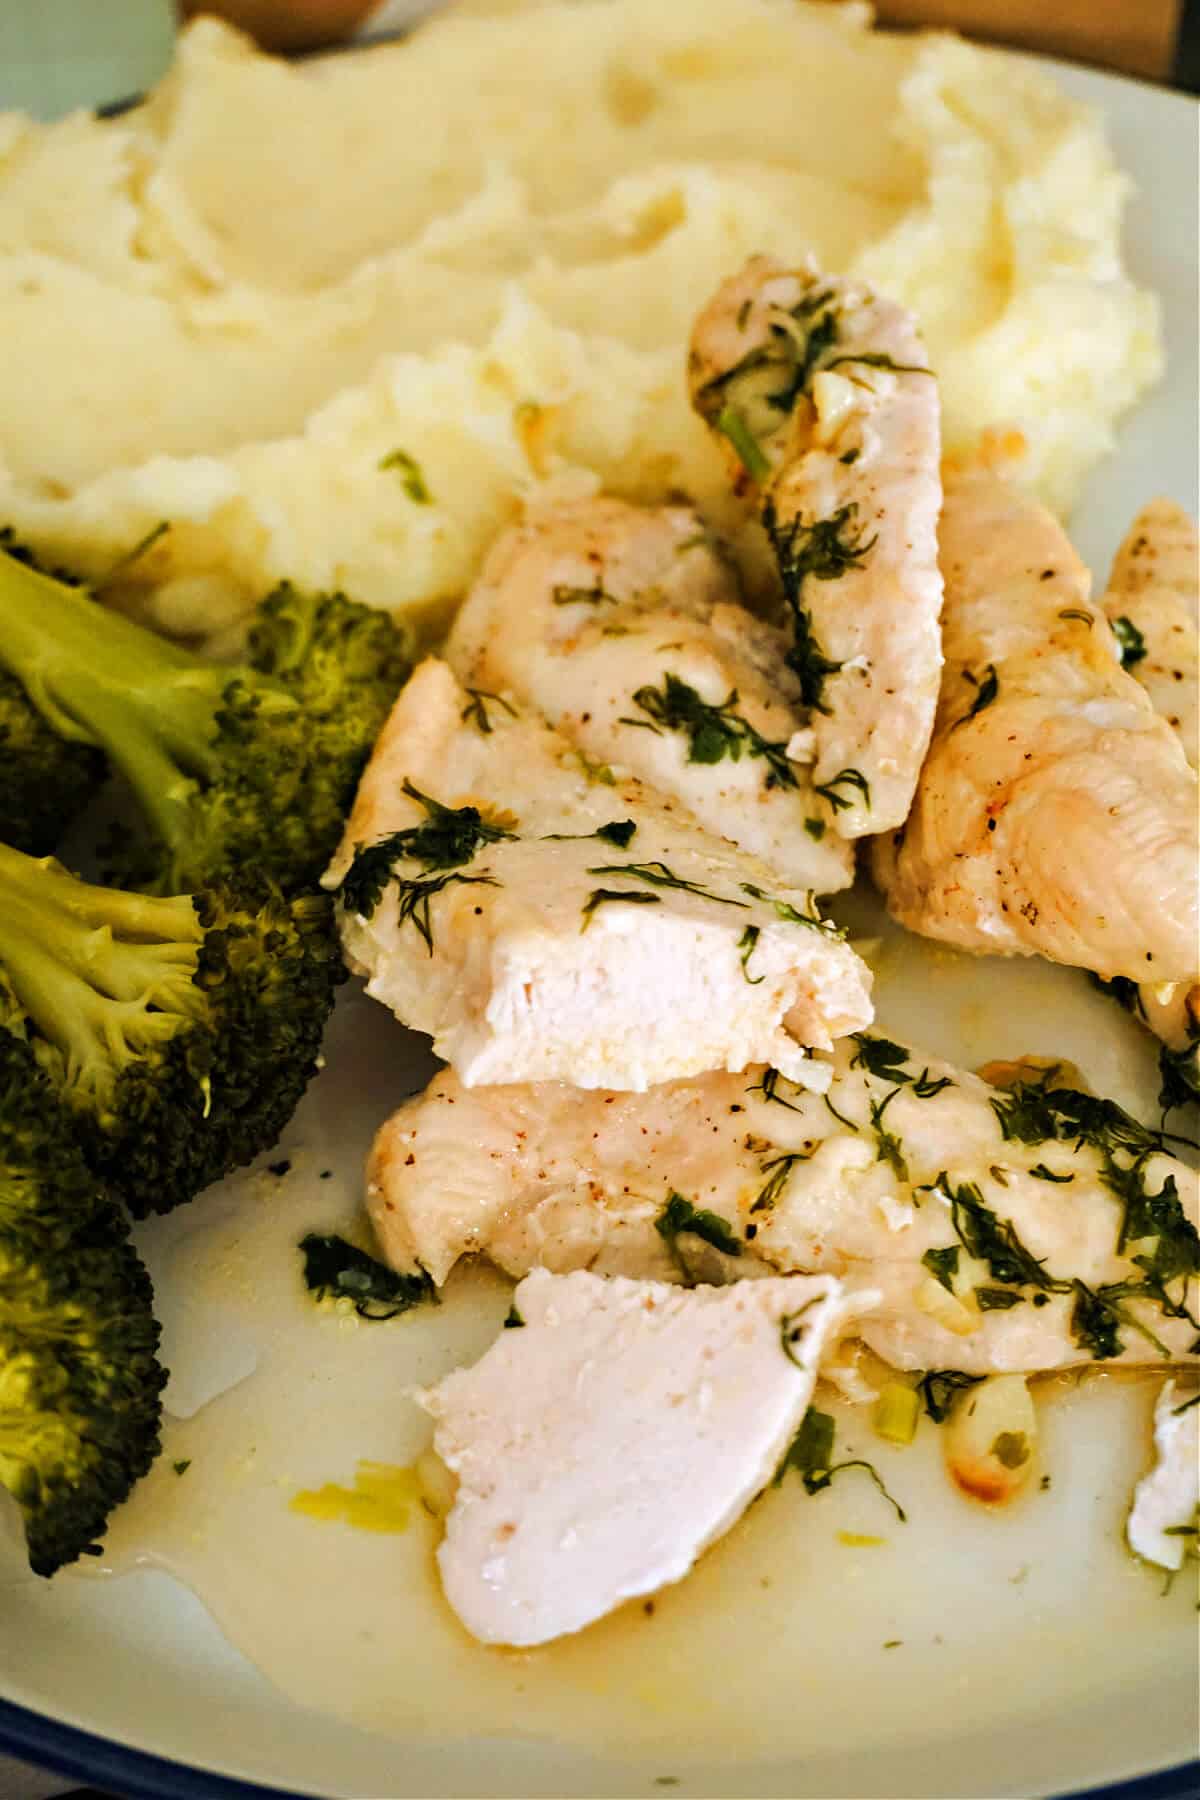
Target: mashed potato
(483, 249)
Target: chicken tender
(1056, 814)
(999, 1226)
(823, 395)
(623, 626)
(1153, 603)
(544, 921)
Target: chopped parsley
(476, 709)
(986, 688)
(943, 1265)
(334, 1268)
(811, 1455)
(605, 897)
(657, 874)
(449, 837)
(714, 733)
(849, 778)
(777, 1170)
(938, 1389)
(563, 595)
(748, 944)
(679, 1216)
(411, 478)
(823, 550)
(1131, 645)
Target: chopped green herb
(748, 944)
(939, 1388)
(997, 1299)
(144, 544)
(1045, 1174)
(412, 480)
(815, 828)
(943, 1265)
(793, 1330)
(790, 915)
(1179, 1071)
(657, 874)
(1186, 1407)
(821, 550)
(476, 709)
(713, 732)
(619, 832)
(581, 596)
(986, 688)
(879, 1056)
(449, 837)
(925, 1087)
(777, 1171)
(994, 1241)
(182, 1467)
(768, 1087)
(811, 1455)
(840, 1117)
(1011, 1449)
(332, 1267)
(679, 1216)
(605, 896)
(413, 898)
(731, 424)
(1131, 645)
(849, 778)
(1077, 612)
(889, 1148)
(512, 1319)
(878, 359)
(281, 1168)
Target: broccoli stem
(98, 678)
(99, 972)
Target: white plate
(1034, 1656)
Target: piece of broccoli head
(234, 767)
(80, 1381)
(180, 1032)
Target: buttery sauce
(813, 1612)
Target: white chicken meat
(1165, 1514)
(1056, 813)
(998, 1226)
(544, 921)
(623, 626)
(822, 393)
(605, 1444)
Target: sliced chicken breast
(1056, 814)
(602, 1447)
(1153, 603)
(1166, 1503)
(822, 393)
(998, 1225)
(623, 626)
(546, 922)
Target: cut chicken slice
(1153, 603)
(1000, 1225)
(823, 394)
(544, 921)
(603, 1447)
(623, 627)
(1056, 813)
(1166, 1503)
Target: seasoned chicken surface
(1153, 602)
(605, 1444)
(1166, 1502)
(623, 627)
(544, 923)
(998, 1226)
(822, 392)
(1056, 814)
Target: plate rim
(62, 1748)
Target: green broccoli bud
(233, 767)
(181, 1031)
(80, 1382)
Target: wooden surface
(1135, 36)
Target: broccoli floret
(233, 767)
(180, 1032)
(80, 1382)
(44, 780)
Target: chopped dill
(777, 1169)
(449, 838)
(339, 1270)
(823, 550)
(748, 944)
(476, 709)
(679, 1216)
(411, 478)
(815, 829)
(1131, 645)
(849, 778)
(889, 1148)
(604, 896)
(938, 1389)
(811, 1455)
(997, 1299)
(657, 874)
(789, 914)
(414, 898)
(713, 732)
(768, 1087)
(943, 1265)
(986, 689)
